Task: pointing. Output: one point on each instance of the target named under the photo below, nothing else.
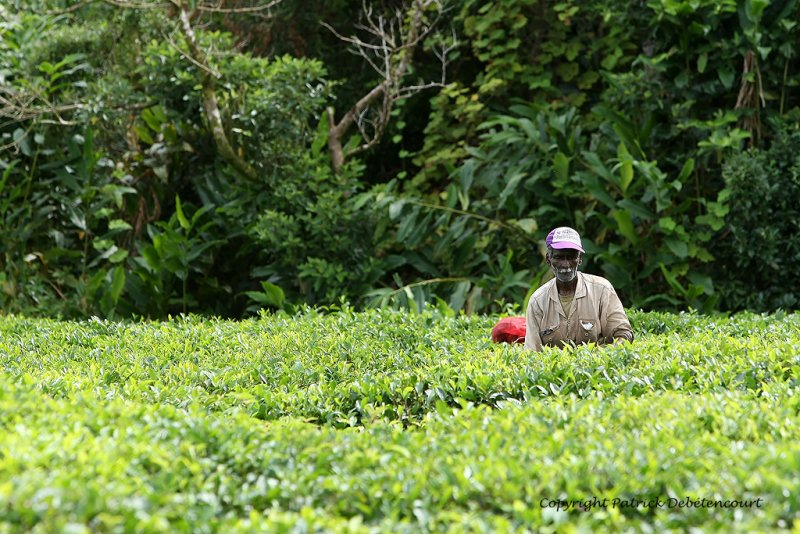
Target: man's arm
(532, 326)
(614, 320)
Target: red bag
(509, 330)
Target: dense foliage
(638, 123)
(391, 421)
(764, 186)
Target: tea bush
(387, 421)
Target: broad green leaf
(528, 225)
(625, 225)
(625, 167)
(702, 61)
(667, 223)
(96, 281)
(703, 281)
(561, 166)
(154, 117)
(459, 295)
(396, 208)
(274, 293)
(119, 225)
(321, 136)
(726, 76)
(118, 256)
(686, 170)
(510, 188)
(672, 280)
(143, 134)
(184, 222)
(596, 189)
(151, 256)
(637, 208)
(677, 246)
(117, 283)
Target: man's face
(565, 263)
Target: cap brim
(563, 245)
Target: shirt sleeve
(532, 327)
(613, 319)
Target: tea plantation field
(391, 422)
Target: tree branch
(206, 68)
(253, 9)
(135, 5)
(210, 103)
(19, 107)
(389, 49)
(206, 7)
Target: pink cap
(564, 237)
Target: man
(573, 307)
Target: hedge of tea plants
(388, 421)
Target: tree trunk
(210, 103)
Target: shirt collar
(580, 289)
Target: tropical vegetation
(221, 157)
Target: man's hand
(621, 339)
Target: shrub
(760, 248)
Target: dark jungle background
(219, 157)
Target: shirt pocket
(589, 330)
(548, 335)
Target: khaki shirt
(596, 315)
